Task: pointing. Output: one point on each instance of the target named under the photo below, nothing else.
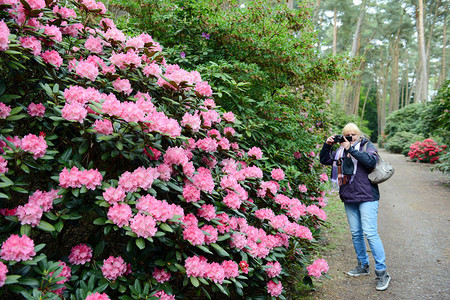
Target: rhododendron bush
(122, 178)
(426, 151)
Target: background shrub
(401, 141)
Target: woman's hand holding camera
(344, 142)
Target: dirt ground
(413, 223)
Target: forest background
(371, 59)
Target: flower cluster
(317, 268)
(426, 151)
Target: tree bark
(335, 30)
(345, 91)
(442, 73)
(393, 95)
(422, 87)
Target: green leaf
(100, 221)
(4, 196)
(29, 281)
(165, 227)
(39, 247)
(25, 230)
(15, 117)
(83, 147)
(140, 243)
(59, 226)
(219, 250)
(6, 179)
(194, 281)
(204, 249)
(67, 154)
(46, 226)
(10, 279)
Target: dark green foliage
(400, 142)
(437, 118)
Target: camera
(340, 138)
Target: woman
(352, 163)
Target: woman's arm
(326, 155)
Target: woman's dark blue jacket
(360, 189)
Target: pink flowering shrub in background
(120, 177)
(426, 151)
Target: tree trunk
(345, 91)
(335, 29)
(442, 73)
(422, 90)
(393, 95)
(365, 102)
(290, 4)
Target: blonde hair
(351, 127)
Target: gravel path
(413, 223)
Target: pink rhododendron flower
(273, 269)
(97, 296)
(74, 112)
(36, 4)
(192, 122)
(32, 43)
(203, 180)
(207, 144)
(203, 88)
(264, 214)
(36, 110)
(191, 193)
(207, 211)
(3, 164)
(3, 271)
(114, 195)
(122, 85)
(229, 117)
(17, 248)
(4, 36)
(4, 110)
(274, 289)
(152, 69)
(211, 234)
(103, 126)
(229, 131)
(194, 235)
(80, 254)
(161, 275)
(53, 32)
(120, 214)
(175, 156)
(315, 210)
(94, 44)
(143, 225)
(317, 268)
(215, 272)
(255, 152)
(323, 177)
(163, 296)
(90, 178)
(277, 174)
(44, 199)
(30, 213)
(34, 144)
(230, 268)
(87, 69)
(232, 200)
(113, 267)
(302, 188)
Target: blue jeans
(362, 219)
